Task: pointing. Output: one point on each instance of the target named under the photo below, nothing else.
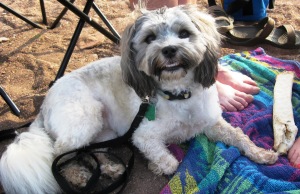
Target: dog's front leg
(229, 135)
(152, 145)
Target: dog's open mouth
(172, 67)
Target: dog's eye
(150, 38)
(184, 34)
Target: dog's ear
(142, 83)
(207, 70)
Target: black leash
(89, 152)
(86, 157)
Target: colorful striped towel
(217, 168)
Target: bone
(284, 127)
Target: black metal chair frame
(9, 102)
(3, 94)
(112, 34)
(26, 19)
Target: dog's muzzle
(172, 63)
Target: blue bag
(251, 10)
(246, 10)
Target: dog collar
(170, 96)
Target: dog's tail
(25, 166)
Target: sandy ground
(30, 58)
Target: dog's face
(168, 44)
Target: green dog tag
(150, 114)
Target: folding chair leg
(43, 12)
(64, 11)
(106, 22)
(9, 102)
(20, 16)
(72, 44)
(113, 36)
(89, 20)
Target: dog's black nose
(169, 51)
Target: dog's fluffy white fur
(171, 50)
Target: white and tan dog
(167, 52)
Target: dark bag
(246, 10)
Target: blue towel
(210, 167)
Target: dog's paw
(112, 170)
(166, 165)
(270, 156)
(264, 156)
